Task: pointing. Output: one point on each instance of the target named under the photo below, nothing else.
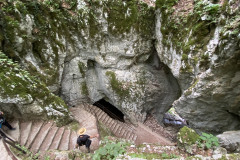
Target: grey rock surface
(230, 140)
(210, 95)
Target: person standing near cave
(84, 139)
(4, 122)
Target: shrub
(110, 151)
(207, 141)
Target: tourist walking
(4, 122)
(84, 139)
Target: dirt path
(145, 135)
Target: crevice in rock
(111, 110)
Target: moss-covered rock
(29, 94)
(187, 139)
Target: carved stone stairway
(40, 136)
(119, 129)
(43, 136)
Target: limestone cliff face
(200, 44)
(89, 50)
(138, 58)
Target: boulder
(187, 139)
(230, 140)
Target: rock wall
(23, 96)
(89, 50)
(199, 41)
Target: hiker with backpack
(4, 122)
(84, 139)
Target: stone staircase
(119, 129)
(6, 153)
(40, 136)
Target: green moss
(74, 125)
(82, 68)
(223, 158)
(184, 57)
(187, 32)
(234, 156)
(117, 86)
(150, 156)
(134, 15)
(18, 83)
(204, 62)
(193, 158)
(188, 68)
(187, 136)
(84, 88)
(189, 90)
(195, 60)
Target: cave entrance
(111, 110)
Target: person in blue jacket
(4, 122)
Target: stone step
(49, 138)
(128, 135)
(25, 128)
(4, 152)
(106, 119)
(14, 134)
(110, 122)
(100, 115)
(124, 135)
(115, 129)
(73, 140)
(134, 138)
(121, 131)
(57, 138)
(118, 128)
(36, 126)
(40, 137)
(64, 144)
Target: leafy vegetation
(110, 150)
(207, 141)
(28, 155)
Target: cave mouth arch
(110, 109)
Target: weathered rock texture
(87, 51)
(230, 140)
(199, 42)
(23, 96)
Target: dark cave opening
(111, 110)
